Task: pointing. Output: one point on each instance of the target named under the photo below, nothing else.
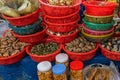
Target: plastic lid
(44, 66)
(76, 65)
(59, 69)
(62, 57)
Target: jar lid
(62, 57)
(44, 66)
(59, 69)
(76, 65)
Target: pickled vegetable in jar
(59, 72)
(76, 70)
(63, 58)
(44, 71)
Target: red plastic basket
(13, 59)
(62, 27)
(58, 11)
(63, 39)
(110, 55)
(81, 56)
(33, 38)
(48, 57)
(116, 34)
(93, 32)
(23, 20)
(63, 19)
(92, 8)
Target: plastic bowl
(58, 11)
(30, 29)
(48, 57)
(98, 27)
(63, 19)
(66, 27)
(99, 19)
(81, 56)
(33, 38)
(93, 8)
(97, 33)
(23, 20)
(95, 38)
(110, 55)
(63, 39)
(14, 58)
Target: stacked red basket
(61, 19)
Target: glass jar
(59, 72)
(63, 58)
(76, 70)
(44, 71)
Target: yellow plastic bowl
(99, 19)
(94, 38)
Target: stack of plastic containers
(61, 19)
(98, 23)
(27, 28)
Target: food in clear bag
(59, 72)
(16, 8)
(44, 71)
(76, 70)
(97, 72)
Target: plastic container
(98, 27)
(63, 58)
(59, 72)
(14, 58)
(81, 56)
(99, 19)
(63, 19)
(23, 20)
(58, 11)
(33, 38)
(76, 70)
(66, 27)
(48, 57)
(99, 8)
(26, 30)
(97, 33)
(44, 70)
(95, 38)
(3, 26)
(63, 39)
(110, 55)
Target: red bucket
(58, 11)
(81, 56)
(48, 57)
(62, 27)
(93, 8)
(23, 20)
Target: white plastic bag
(114, 71)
